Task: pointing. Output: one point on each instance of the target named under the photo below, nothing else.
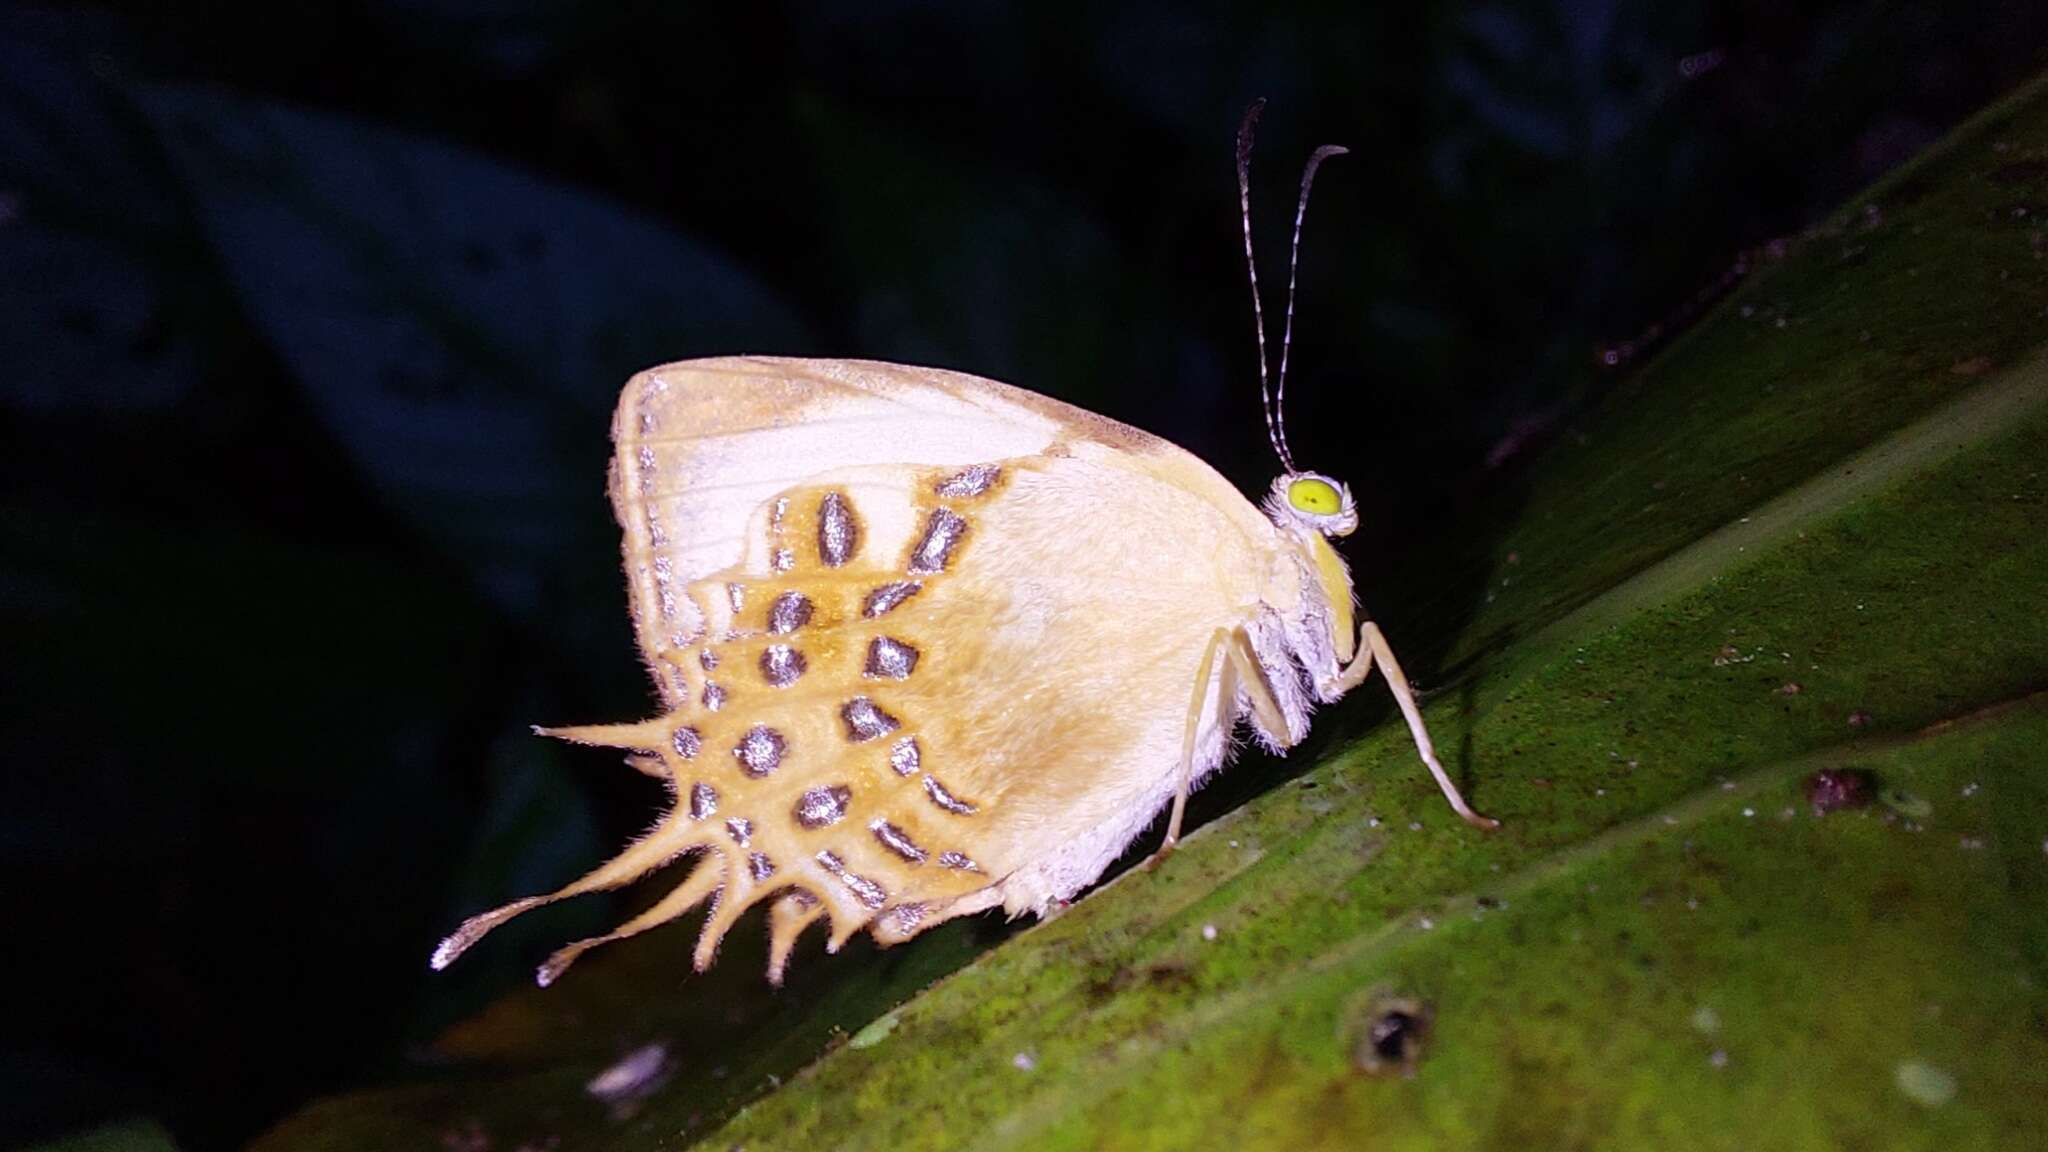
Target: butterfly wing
(926, 642)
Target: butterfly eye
(1316, 496)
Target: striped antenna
(1251, 264)
(1278, 417)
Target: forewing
(702, 446)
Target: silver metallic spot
(942, 532)
(784, 559)
(906, 756)
(760, 865)
(888, 596)
(714, 696)
(736, 595)
(687, 742)
(970, 482)
(703, 801)
(781, 510)
(869, 892)
(838, 535)
(791, 611)
(741, 830)
(760, 750)
(889, 659)
(823, 807)
(945, 799)
(647, 469)
(781, 665)
(664, 586)
(865, 721)
(897, 841)
(708, 659)
(957, 860)
(905, 918)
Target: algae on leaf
(1786, 548)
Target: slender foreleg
(1197, 707)
(1372, 647)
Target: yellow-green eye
(1314, 496)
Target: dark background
(311, 317)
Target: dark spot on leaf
(1834, 788)
(1390, 1043)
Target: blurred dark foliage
(312, 316)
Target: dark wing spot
(868, 892)
(945, 799)
(969, 482)
(942, 532)
(760, 750)
(838, 534)
(687, 742)
(781, 665)
(888, 596)
(897, 841)
(791, 611)
(889, 659)
(703, 801)
(906, 756)
(866, 721)
(823, 807)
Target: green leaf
(1813, 537)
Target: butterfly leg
(1197, 707)
(1372, 647)
(1251, 676)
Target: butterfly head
(1313, 501)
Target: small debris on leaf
(1905, 803)
(630, 1080)
(876, 1032)
(1924, 1084)
(1832, 789)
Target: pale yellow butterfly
(927, 644)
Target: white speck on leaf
(1924, 1084)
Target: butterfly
(927, 644)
